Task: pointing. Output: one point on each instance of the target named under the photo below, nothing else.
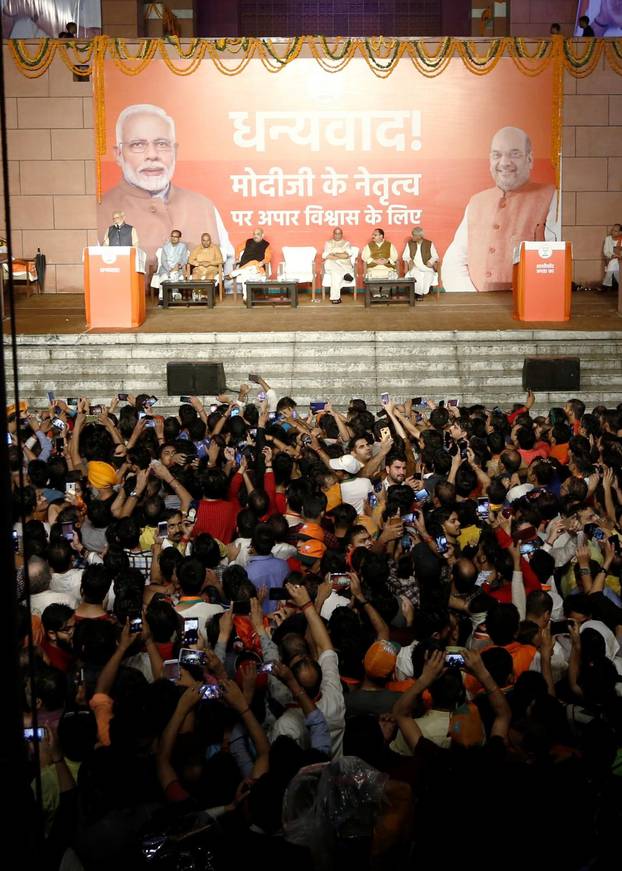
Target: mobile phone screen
(136, 625)
(67, 530)
(191, 630)
(37, 734)
(384, 398)
(162, 528)
(187, 399)
(441, 543)
(170, 670)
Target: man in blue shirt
(265, 570)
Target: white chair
(299, 265)
(344, 283)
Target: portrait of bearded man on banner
(146, 151)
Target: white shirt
(338, 247)
(333, 601)
(455, 271)
(608, 247)
(68, 582)
(244, 555)
(354, 491)
(40, 601)
(331, 704)
(203, 610)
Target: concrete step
(473, 367)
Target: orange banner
(306, 151)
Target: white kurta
(613, 264)
(423, 273)
(337, 269)
(381, 271)
(247, 273)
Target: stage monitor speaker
(551, 374)
(195, 379)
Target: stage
(64, 313)
(464, 346)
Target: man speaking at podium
(120, 233)
(496, 220)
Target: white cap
(347, 463)
(519, 491)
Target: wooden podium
(542, 281)
(114, 291)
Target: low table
(290, 288)
(206, 287)
(371, 285)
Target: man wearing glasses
(146, 151)
(120, 233)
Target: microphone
(535, 232)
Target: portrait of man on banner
(146, 151)
(498, 219)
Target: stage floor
(64, 313)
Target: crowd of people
(260, 632)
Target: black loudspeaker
(195, 379)
(552, 374)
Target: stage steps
(471, 366)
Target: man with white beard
(120, 233)
(146, 151)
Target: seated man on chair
(252, 258)
(206, 259)
(173, 261)
(380, 259)
(173, 258)
(422, 259)
(337, 257)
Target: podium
(542, 281)
(113, 288)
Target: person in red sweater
(528, 447)
(218, 509)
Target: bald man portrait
(497, 219)
(146, 151)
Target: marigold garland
(578, 57)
